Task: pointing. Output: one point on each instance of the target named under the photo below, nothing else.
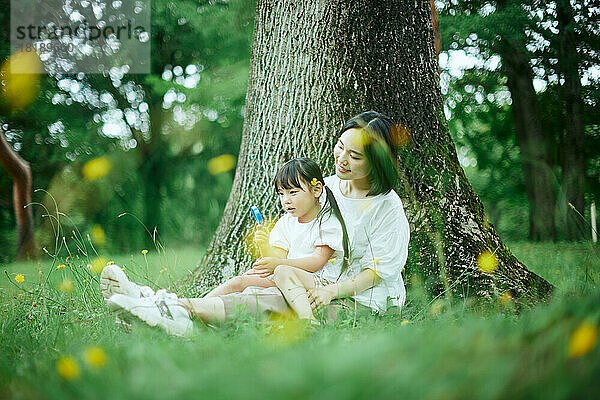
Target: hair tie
(314, 182)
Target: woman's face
(349, 155)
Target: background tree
(314, 65)
(497, 35)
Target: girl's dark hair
(379, 148)
(298, 170)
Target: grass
(444, 351)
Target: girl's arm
(322, 254)
(349, 287)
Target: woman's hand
(321, 296)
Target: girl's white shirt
(379, 234)
(300, 239)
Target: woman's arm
(322, 296)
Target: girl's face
(302, 203)
(349, 155)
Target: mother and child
(342, 243)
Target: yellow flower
(66, 286)
(96, 168)
(95, 356)
(21, 75)
(97, 264)
(313, 181)
(98, 235)
(436, 307)
(61, 266)
(583, 339)
(286, 329)
(67, 368)
(404, 322)
(144, 252)
(505, 298)
(332, 260)
(220, 164)
(20, 278)
(487, 262)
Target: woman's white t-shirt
(379, 234)
(300, 239)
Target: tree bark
(20, 172)
(573, 150)
(314, 65)
(535, 155)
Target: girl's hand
(321, 296)
(267, 264)
(258, 273)
(261, 238)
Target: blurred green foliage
(191, 110)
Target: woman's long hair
(298, 170)
(379, 148)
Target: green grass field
(59, 343)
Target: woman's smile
(342, 169)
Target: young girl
(306, 237)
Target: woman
(365, 158)
(365, 161)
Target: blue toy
(257, 215)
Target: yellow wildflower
(97, 264)
(21, 76)
(96, 168)
(20, 278)
(220, 164)
(487, 262)
(583, 339)
(404, 322)
(98, 235)
(436, 308)
(332, 260)
(144, 252)
(66, 286)
(505, 298)
(61, 266)
(95, 356)
(67, 368)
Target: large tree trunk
(20, 172)
(573, 150)
(535, 155)
(314, 65)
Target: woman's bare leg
(294, 283)
(238, 284)
(207, 310)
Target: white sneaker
(114, 281)
(162, 309)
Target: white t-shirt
(379, 233)
(300, 239)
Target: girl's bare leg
(294, 284)
(238, 284)
(207, 310)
